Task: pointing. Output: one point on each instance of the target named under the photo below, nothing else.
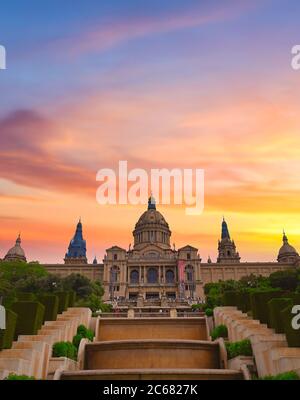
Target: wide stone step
(146, 354)
(153, 374)
(151, 328)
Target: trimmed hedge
(219, 331)
(243, 301)
(275, 306)
(30, 317)
(259, 304)
(22, 296)
(50, 302)
(63, 301)
(230, 298)
(241, 348)
(7, 335)
(296, 298)
(72, 298)
(292, 335)
(8, 301)
(64, 349)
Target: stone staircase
(30, 354)
(151, 348)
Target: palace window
(152, 275)
(114, 274)
(189, 273)
(170, 277)
(134, 276)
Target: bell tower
(226, 247)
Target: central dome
(151, 228)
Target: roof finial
(151, 203)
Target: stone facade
(153, 271)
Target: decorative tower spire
(225, 231)
(151, 203)
(226, 247)
(77, 248)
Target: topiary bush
(7, 335)
(259, 303)
(23, 296)
(72, 298)
(292, 335)
(275, 307)
(50, 302)
(64, 349)
(209, 312)
(241, 348)
(63, 301)
(219, 331)
(30, 317)
(243, 300)
(230, 298)
(82, 333)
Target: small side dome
(16, 253)
(287, 253)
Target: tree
(286, 280)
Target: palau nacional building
(153, 269)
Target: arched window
(134, 276)
(170, 277)
(114, 274)
(189, 272)
(228, 253)
(152, 275)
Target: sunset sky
(175, 84)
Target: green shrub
(63, 301)
(209, 312)
(275, 306)
(259, 303)
(30, 317)
(72, 298)
(82, 333)
(7, 335)
(15, 377)
(285, 280)
(292, 335)
(23, 296)
(64, 349)
(241, 348)
(219, 331)
(285, 376)
(50, 302)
